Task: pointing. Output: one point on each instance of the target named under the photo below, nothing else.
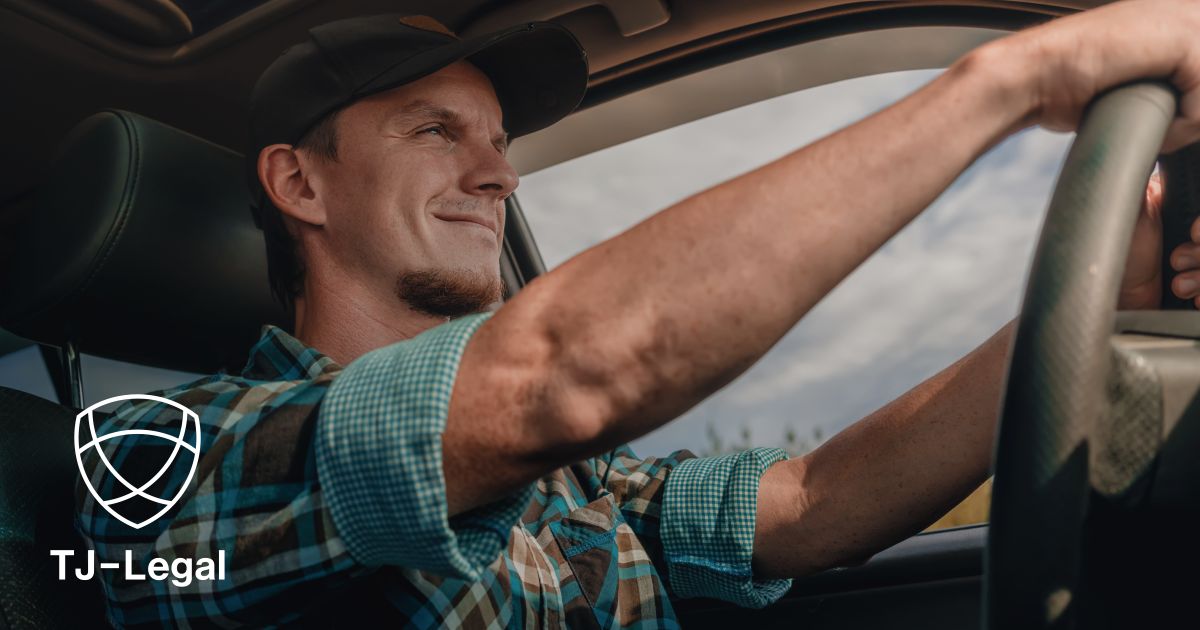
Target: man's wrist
(1006, 70)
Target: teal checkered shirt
(323, 485)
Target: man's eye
(436, 130)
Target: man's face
(414, 203)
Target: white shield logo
(112, 505)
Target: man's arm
(887, 476)
(633, 332)
(891, 474)
(638, 329)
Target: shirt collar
(279, 356)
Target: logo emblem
(113, 505)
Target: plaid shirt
(323, 487)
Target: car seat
(37, 479)
(141, 248)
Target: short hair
(285, 269)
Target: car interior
(124, 219)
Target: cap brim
(539, 72)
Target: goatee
(451, 294)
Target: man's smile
(482, 221)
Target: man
(410, 456)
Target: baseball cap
(538, 70)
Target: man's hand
(1077, 57)
(1141, 287)
(1080, 56)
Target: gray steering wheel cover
(1060, 361)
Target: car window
(102, 378)
(929, 296)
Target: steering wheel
(1090, 411)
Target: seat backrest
(37, 513)
(140, 232)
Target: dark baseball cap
(538, 70)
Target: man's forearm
(633, 332)
(889, 475)
(653, 321)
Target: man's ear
(286, 184)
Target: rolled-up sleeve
(379, 460)
(707, 529)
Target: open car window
(929, 296)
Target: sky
(938, 289)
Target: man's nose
(490, 173)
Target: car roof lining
(728, 86)
(60, 69)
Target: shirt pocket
(610, 567)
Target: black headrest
(140, 247)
